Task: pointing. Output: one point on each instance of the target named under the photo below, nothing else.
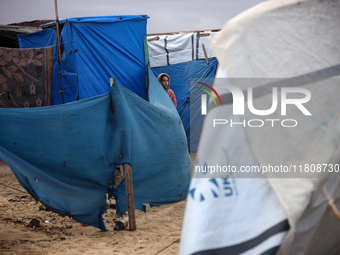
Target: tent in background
(277, 44)
(183, 57)
(95, 49)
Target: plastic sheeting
(299, 42)
(188, 103)
(95, 49)
(65, 155)
(39, 39)
(174, 49)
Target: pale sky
(165, 16)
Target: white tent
(170, 49)
(289, 46)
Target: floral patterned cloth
(26, 77)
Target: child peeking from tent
(164, 79)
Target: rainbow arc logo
(204, 98)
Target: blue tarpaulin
(189, 103)
(65, 155)
(39, 39)
(95, 49)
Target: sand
(158, 229)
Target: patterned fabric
(26, 77)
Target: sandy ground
(158, 230)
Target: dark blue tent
(95, 49)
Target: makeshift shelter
(89, 45)
(65, 155)
(273, 48)
(185, 56)
(95, 49)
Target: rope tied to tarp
(13, 188)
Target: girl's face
(165, 82)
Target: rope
(167, 246)
(12, 188)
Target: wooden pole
(58, 46)
(205, 54)
(58, 33)
(127, 174)
(331, 204)
(146, 60)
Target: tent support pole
(127, 175)
(58, 46)
(331, 204)
(57, 24)
(147, 62)
(205, 54)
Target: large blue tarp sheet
(95, 49)
(188, 103)
(65, 155)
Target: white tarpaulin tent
(285, 45)
(179, 48)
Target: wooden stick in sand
(127, 175)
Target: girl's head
(164, 79)
(165, 82)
